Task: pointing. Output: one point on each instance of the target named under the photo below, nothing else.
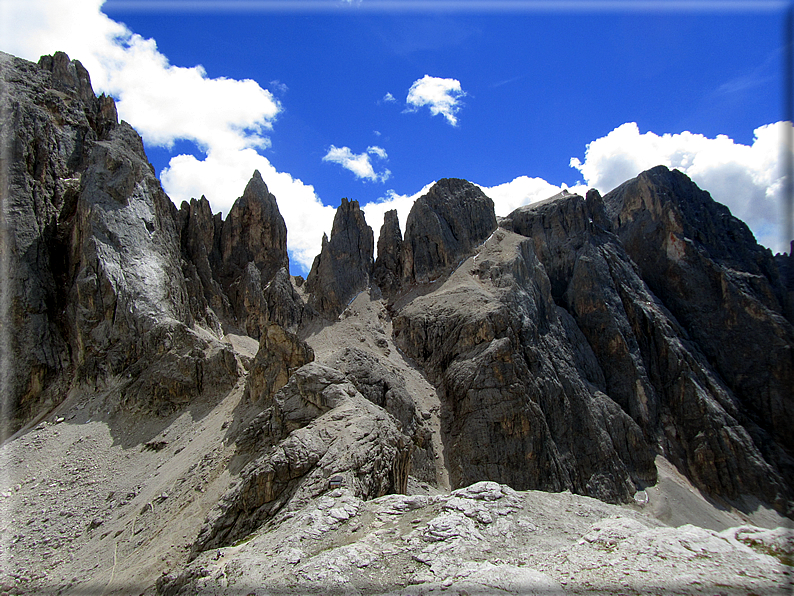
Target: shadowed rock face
(650, 366)
(723, 288)
(389, 265)
(512, 368)
(95, 281)
(46, 142)
(107, 282)
(344, 265)
(443, 227)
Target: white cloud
(523, 190)
(360, 164)
(442, 96)
(748, 179)
(228, 119)
(389, 98)
(375, 211)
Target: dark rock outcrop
(344, 266)
(200, 237)
(389, 264)
(95, 280)
(252, 248)
(723, 288)
(280, 354)
(51, 121)
(650, 367)
(512, 371)
(317, 426)
(443, 227)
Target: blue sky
(372, 101)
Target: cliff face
(722, 287)
(107, 283)
(344, 266)
(564, 347)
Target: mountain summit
(489, 405)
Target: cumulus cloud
(524, 190)
(375, 211)
(442, 96)
(748, 179)
(227, 119)
(360, 164)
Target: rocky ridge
(556, 349)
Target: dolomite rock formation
(443, 227)
(650, 366)
(94, 258)
(389, 264)
(387, 389)
(722, 287)
(238, 269)
(108, 282)
(344, 266)
(511, 367)
(317, 426)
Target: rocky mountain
(492, 405)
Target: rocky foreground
(592, 394)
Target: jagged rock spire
(344, 265)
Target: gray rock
(389, 264)
(650, 367)
(252, 249)
(387, 390)
(280, 354)
(724, 289)
(344, 266)
(95, 262)
(318, 426)
(504, 357)
(443, 227)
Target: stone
(51, 121)
(502, 355)
(650, 367)
(387, 390)
(344, 266)
(443, 227)
(280, 354)
(721, 286)
(318, 426)
(389, 264)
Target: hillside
(592, 394)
